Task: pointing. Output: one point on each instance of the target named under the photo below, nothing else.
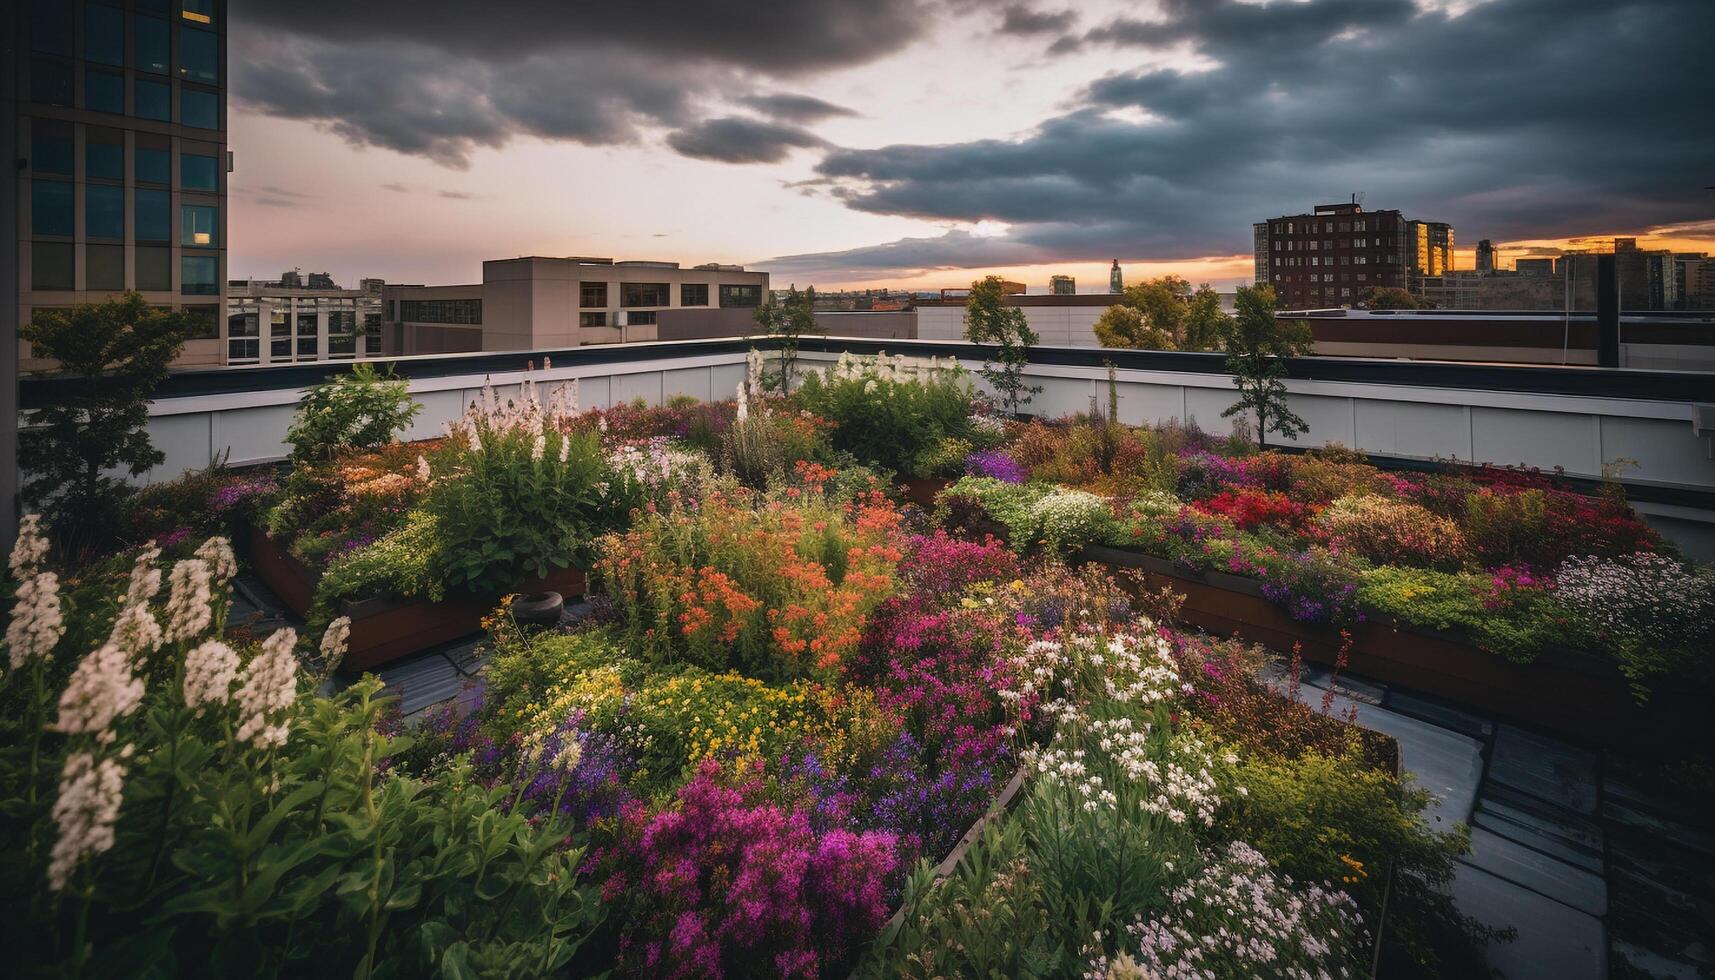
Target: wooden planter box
(921, 490)
(385, 629)
(1562, 691)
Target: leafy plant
(362, 409)
(1257, 346)
(896, 415)
(988, 320)
(786, 322)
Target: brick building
(1338, 252)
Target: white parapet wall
(1578, 434)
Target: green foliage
(400, 564)
(1329, 818)
(1164, 314)
(1257, 345)
(786, 322)
(892, 421)
(764, 447)
(359, 410)
(1036, 516)
(988, 320)
(113, 354)
(1518, 624)
(1206, 324)
(517, 507)
(1390, 298)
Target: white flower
(190, 607)
(136, 633)
(87, 808)
(222, 564)
(145, 577)
(571, 753)
(37, 623)
(333, 642)
(743, 403)
(565, 450)
(423, 468)
(31, 548)
(270, 686)
(102, 689)
(538, 448)
(209, 670)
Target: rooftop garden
(804, 728)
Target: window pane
(279, 323)
(199, 56)
(592, 319)
(154, 268)
(104, 155)
(206, 319)
(50, 207)
(694, 294)
(343, 344)
(740, 296)
(152, 100)
(103, 34)
(51, 265)
(104, 91)
(103, 211)
(241, 325)
(197, 11)
(199, 109)
(197, 225)
(153, 166)
(153, 49)
(198, 172)
(592, 294)
(50, 83)
(104, 267)
(50, 26)
(645, 294)
(306, 347)
(50, 147)
(154, 222)
(199, 275)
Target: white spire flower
(190, 607)
(475, 440)
(570, 754)
(86, 810)
(565, 450)
(539, 447)
(423, 471)
(222, 564)
(136, 632)
(270, 687)
(743, 402)
(334, 641)
(145, 581)
(37, 622)
(31, 548)
(209, 670)
(102, 690)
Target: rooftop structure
(302, 318)
(1337, 253)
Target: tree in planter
(117, 352)
(787, 321)
(988, 320)
(1257, 346)
(360, 410)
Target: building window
(306, 347)
(151, 49)
(104, 267)
(241, 337)
(103, 154)
(694, 294)
(103, 91)
(645, 294)
(51, 147)
(197, 225)
(103, 34)
(440, 310)
(154, 268)
(372, 333)
(104, 211)
(152, 166)
(199, 56)
(640, 318)
(199, 275)
(51, 265)
(592, 319)
(206, 319)
(50, 83)
(197, 11)
(152, 100)
(153, 219)
(592, 294)
(51, 207)
(740, 295)
(198, 172)
(199, 108)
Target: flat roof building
(302, 318)
(537, 302)
(1337, 253)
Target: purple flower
(995, 463)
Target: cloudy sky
(924, 142)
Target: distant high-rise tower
(1062, 285)
(1116, 281)
(1485, 256)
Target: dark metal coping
(35, 392)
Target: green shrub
(1518, 624)
(400, 564)
(360, 410)
(1041, 516)
(890, 416)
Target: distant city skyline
(921, 144)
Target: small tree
(360, 410)
(988, 320)
(1390, 298)
(1206, 324)
(1257, 346)
(787, 321)
(1150, 315)
(113, 355)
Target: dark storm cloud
(732, 139)
(1026, 21)
(1517, 119)
(801, 109)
